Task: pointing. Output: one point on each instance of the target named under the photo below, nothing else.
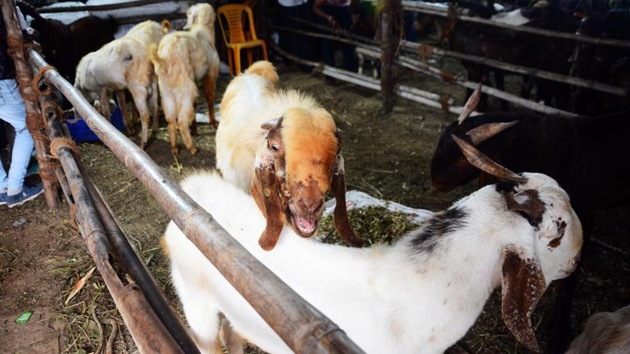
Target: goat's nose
(312, 205)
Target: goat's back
(147, 32)
(181, 54)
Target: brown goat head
(301, 163)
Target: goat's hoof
(194, 151)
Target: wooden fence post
(34, 120)
(391, 23)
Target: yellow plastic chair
(235, 36)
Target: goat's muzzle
(304, 215)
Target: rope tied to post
(39, 76)
(62, 142)
(15, 48)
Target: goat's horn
(484, 163)
(486, 131)
(272, 123)
(470, 105)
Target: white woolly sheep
(418, 295)
(272, 141)
(605, 332)
(182, 59)
(124, 64)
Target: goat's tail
(172, 60)
(265, 69)
(153, 56)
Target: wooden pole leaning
(148, 332)
(118, 243)
(34, 121)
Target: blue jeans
(13, 112)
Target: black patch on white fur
(440, 224)
(506, 186)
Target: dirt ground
(42, 254)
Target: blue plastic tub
(81, 133)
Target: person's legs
(344, 19)
(12, 111)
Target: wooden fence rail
(105, 7)
(441, 11)
(304, 328)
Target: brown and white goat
(183, 59)
(272, 141)
(124, 64)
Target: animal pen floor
(42, 254)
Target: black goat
(532, 51)
(63, 45)
(587, 156)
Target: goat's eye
(274, 147)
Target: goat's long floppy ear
(486, 131)
(266, 193)
(274, 155)
(338, 188)
(470, 105)
(523, 285)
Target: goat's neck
(465, 255)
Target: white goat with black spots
(418, 295)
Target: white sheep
(418, 295)
(273, 141)
(183, 59)
(124, 64)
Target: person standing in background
(340, 16)
(301, 46)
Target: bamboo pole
(407, 92)
(304, 328)
(105, 7)
(428, 9)
(390, 19)
(120, 246)
(132, 264)
(148, 332)
(431, 50)
(576, 81)
(431, 71)
(33, 115)
(410, 93)
(425, 68)
(352, 38)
